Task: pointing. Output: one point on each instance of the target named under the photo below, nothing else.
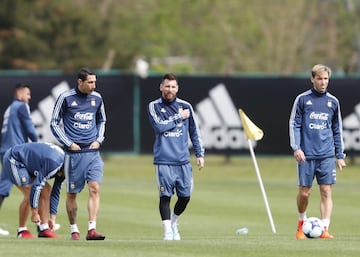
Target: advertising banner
(267, 101)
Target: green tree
(188, 36)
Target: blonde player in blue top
(315, 130)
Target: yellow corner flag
(251, 130)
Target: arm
(195, 138)
(194, 133)
(338, 139)
(100, 123)
(337, 134)
(56, 117)
(49, 170)
(161, 125)
(55, 194)
(295, 123)
(26, 122)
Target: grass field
(227, 196)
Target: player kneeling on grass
(29, 166)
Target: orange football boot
(326, 234)
(299, 233)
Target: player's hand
(74, 147)
(35, 217)
(340, 163)
(185, 114)
(299, 156)
(94, 145)
(51, 225)
(200, 162)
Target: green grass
(227, 196)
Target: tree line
(185, 36)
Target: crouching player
(29, 166)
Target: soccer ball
(313, 227)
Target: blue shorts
(14, 172)
(323, 169)
(174, 177)
(80, 168)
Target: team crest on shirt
(329, 104)
(93, 102)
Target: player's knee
(164, 200)
(304, 194)
(184, 200)
(94, 188)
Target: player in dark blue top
(17, 128)
(315, 129)
(82, 113)
(174, 124)
(29, 166)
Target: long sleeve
(160, 124)
(100, 122)
(57, 116)
(337, 133)
(55, 193)
(40, 180)
(295, 123)
(194, 133)
(27, 124)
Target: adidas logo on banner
(42, 115)
(351, 130)
(219, 121)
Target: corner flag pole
(253, 132)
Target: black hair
(84, 72)
(20, 86)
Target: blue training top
(17, 126)
(315, 125)
(43, 161)
(83, 117)
(172, 133)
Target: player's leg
(165, 182)
(93, 209)
(302, 199)
(326, 177)
(94, 200)
(305, 174)
(44, 210)
(94, 167)
(74, 179)
(71, 209)
(19, 176)
(24, 211)
(326, 203)
(184, 188)
(5, 188)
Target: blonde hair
(319, 68)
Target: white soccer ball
(313, 227)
